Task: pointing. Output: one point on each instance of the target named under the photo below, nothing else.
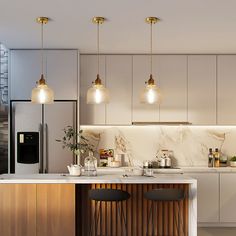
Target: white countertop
(100, 179)
(178, 170)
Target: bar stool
(108, 195)
(161, 195)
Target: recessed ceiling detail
(190, 26)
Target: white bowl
(233, 163)
(138, 171)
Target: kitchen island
(57, 204)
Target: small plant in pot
(233, 161)
(77, 143)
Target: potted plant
(233, 161)
(75, 142)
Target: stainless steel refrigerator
(34, 131)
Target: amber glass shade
(42, 94)
(151, 94)
(98, 94)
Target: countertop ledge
(100, 179)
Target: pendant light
(151, 93)
(42, 94)
(98, 94)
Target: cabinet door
(207, 197)
(18, 209)
(119, 82)
(141, 73)
(55, 209)
(61, 73)
(25, 70)
(202, 89)
(91, 114)
(226, 84)
(172, 79)
(58, 158)
(227, 197)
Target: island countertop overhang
(100, 179)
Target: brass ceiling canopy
(42, 20)
(152, 20)
(98, 20)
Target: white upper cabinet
(91, 114)
(60, 71)
(171, 77)
(202, 89)
(119, 83)
(141, 73)
(25, 70)
(226, 86)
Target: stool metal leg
(149, 216)
(180, 220)
(124, 218)
(93, 220)
(98, 214)
(175, 222)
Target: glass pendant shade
(42, 94)
(151, 94)
(98, 94)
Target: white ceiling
(187, 26)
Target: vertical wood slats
(136, 210)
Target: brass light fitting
(42, 94)
(42, 20)
(98, 20)
(152, 20)
(98, 93)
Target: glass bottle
(217, 158)
(210, 158)
(90, 165)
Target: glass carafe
(90, 165)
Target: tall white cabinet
(141, 72)
(202, 89)
(119, 82)
(226, 84)
(91, 114)
(172, 79)
(61, 68)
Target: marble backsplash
(189, 144)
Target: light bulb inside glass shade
(98, 94)
(42, 94)
(151, 94)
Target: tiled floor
(216, 231)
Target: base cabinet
(37, 209)
(227, 197)
(207, 197)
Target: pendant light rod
(151, 20)
(98, 20)
(42, 21)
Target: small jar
(90, 165)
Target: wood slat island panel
(135, 209)
(55, 209)
(17, 209)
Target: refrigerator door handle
(41, 162)
(46, 148)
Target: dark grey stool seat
(164, 194)
(108, 195)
